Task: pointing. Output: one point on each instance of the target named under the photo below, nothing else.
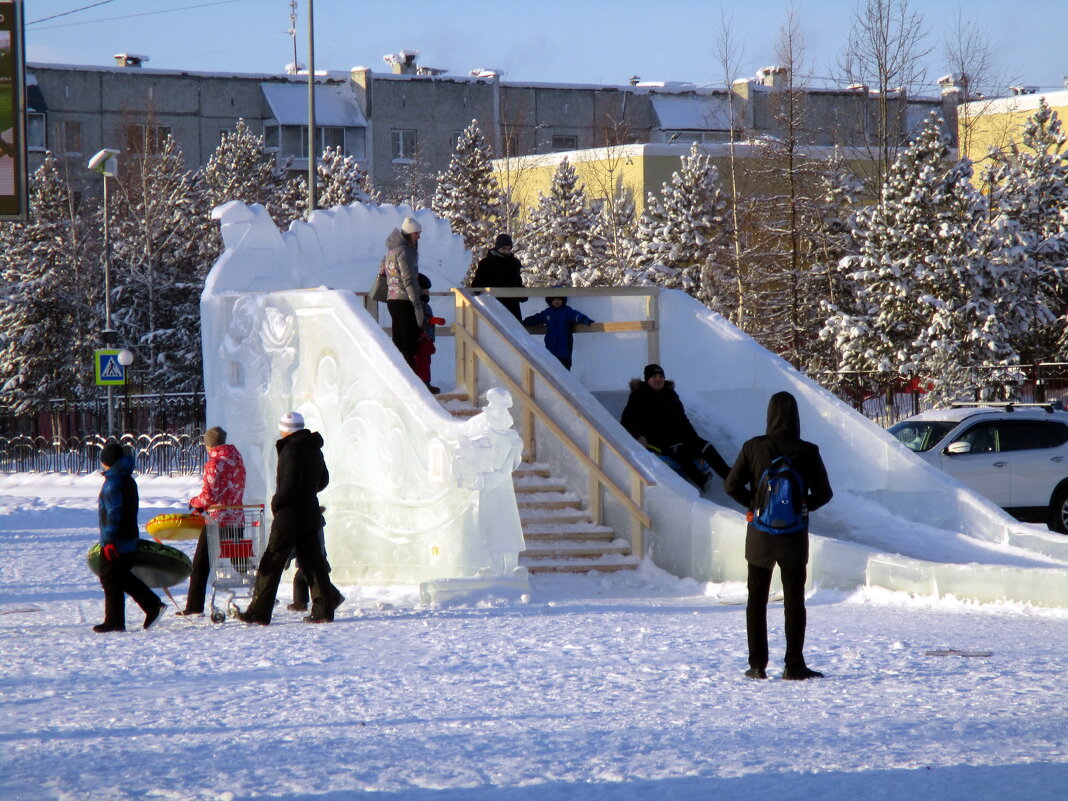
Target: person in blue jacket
(559, 320)
(117, 505)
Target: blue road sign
(109, 371)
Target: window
(404, 143)
(67, 138)
(35, 131)
(147, 139)
(329, 137)
(565, 142)
(1026, 435)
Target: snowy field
(610, 688)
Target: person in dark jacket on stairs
(789, 551)
(501, 268)
(654, 415)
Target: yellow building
(999, 123)
(642, 169)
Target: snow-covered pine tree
(1028, 189)
(927, 274)
(558, 238)
(682, 235)
(51, 291)
(614, 243)
(340, 180)
(240, 169)
(468, 195)
(163, 244)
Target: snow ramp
(895, 521)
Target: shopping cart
(236, 540)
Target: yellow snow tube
(175, 526)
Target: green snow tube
(156, 564)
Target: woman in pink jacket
(224, 485)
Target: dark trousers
(118, 581)
(312, 560)
(405, 329)
(198, 579)
(756, 615)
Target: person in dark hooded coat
(296, 525)
(789, 551)
(501, 268)
(654, 415)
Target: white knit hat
(290, 422)
(411, 226)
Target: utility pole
(311, 108)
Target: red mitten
(110, 553)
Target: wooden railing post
(595, 490)
(637, 530)
(652, 340)
(530, 443)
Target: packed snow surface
(616, 687)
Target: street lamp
(106, 163)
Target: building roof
(692, 112)
(334, 106)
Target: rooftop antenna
(293, 31)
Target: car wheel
(1058, 509)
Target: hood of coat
(224, 451)
(300, 439)
(123, 467)
(784, 421)
(395, 239)
(638, 383)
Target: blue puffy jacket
(559, 323)
(118, 505)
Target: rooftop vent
(403, 63)
(129, 59)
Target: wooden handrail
(469, 350)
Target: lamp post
(126, 359)
(106, 163)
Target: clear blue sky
(556, 41)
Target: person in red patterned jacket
(224, 485)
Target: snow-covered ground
(616, 687)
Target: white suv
(1014, 454)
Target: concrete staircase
(560, 535)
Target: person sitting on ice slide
(654, 415)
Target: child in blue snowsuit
(559, 320)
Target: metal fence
(177, 411)
(159, 454)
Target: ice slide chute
(272, 342)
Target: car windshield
(920, 435)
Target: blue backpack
(779, 506)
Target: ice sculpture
(415, 494)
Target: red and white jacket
(224, 484)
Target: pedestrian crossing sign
(109, 371)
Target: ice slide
(417, 496)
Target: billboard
(12, 113)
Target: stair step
(528, 470)
(536, 484)
(574, 532)
(446, 397)
(561, 549)
(547, 500)
(579, 565)
(536, 515)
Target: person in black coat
(789, 551)
(501, 268)
(297, 521)
(654, 415)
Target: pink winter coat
(224, 484)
